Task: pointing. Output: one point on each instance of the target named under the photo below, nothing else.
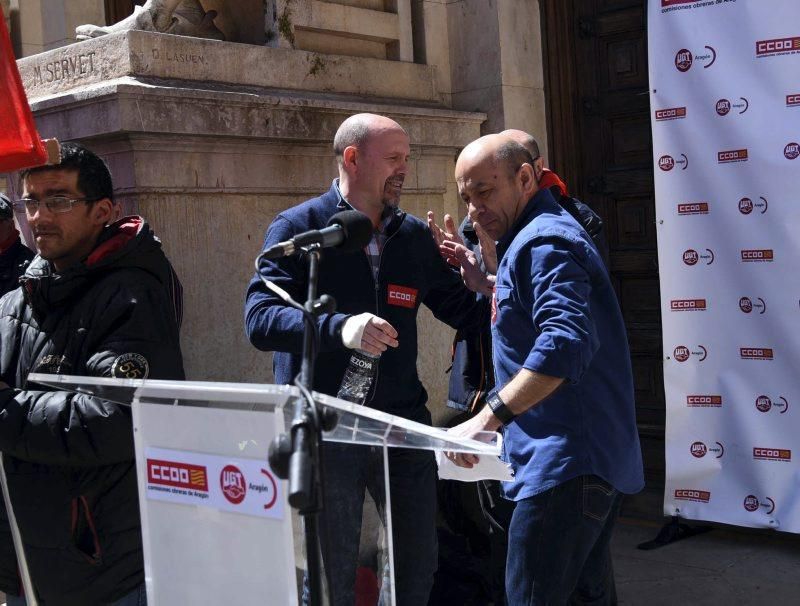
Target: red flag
(20, 145)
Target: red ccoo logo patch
(772, 454)
(703, 401)
(687, 305)
(671, 113)
(402, 296)
(756, 255)
(231, 480)
(732, 155)
(756, 353)
(693, 208)
(793, 100)
(777, 46)
(700, 496)
(178, 475)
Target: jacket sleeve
(450, 301)
(558, 295)
(270, 324)
(131, 323)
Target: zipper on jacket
(78, 504)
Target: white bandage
(353, 330)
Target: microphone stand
(298, 455)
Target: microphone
(348, 231)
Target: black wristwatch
(499, 409)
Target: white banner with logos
(725, 101)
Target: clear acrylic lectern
(215, 522)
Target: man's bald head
(356, 131)
(528, 141)
(373, 154)
(495, 179)
(498, 149)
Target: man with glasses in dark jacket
(96, 301)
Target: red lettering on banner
(693, 208)
(672, 113)
(777, 45)
(665, 3)
(402, 296)
(733, 155)
(766, 255)
(700, 401)
(179, 475)
(687, 305)
(772, 454)
(701, 496)
(756, 353)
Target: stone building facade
(209, 140)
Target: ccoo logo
(703, 401)
(693, 208)
(756, 353)
(687, 305)
(732, 155)
(671, 113)
(778, 46)
(757, 255)
(700, 496)
(772, 454)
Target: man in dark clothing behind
(96, 301)
(14, 255)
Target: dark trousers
(349, 471)
(559, 545)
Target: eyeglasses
(54, 204)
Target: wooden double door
(601, 144)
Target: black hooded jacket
(69, 458)
(13, 263)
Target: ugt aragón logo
(685, 59)
(667, 162)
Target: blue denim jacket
(555, 313)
